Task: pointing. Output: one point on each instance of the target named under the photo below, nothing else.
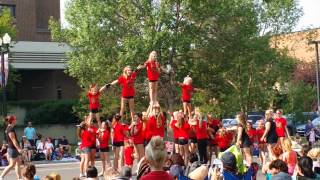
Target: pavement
(68, 170)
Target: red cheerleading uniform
(187, 91)
(252, 134)
(127, 84)
(281, 124)
(153, 129)
(92, 135)
(172, 125)
(183, 132)
(138, 138)
(152, 70)
(223, 141)
(93, 100)
(104, 137)
(259, 134)
(85, 139)
(128, 155)
(201, 133)
(118, 132)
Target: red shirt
(92, 135)
(104, 138)
(128, 152)
(127, 84)
(93, 100)
(252, 134)
(192, 132)
(157, 175)
(187, 91)
(182, 132)
(85, 139)
(223, 141)
(153, 129)
(259, 134)
(138, 137)
(214, 124)
(201, 132)
(281, 124)
(152, 70)
(118, 132)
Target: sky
(310, 19)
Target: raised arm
(104, 87)
(114, 82)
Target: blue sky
(310, 19)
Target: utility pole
(316, 43)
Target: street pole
(316, 43)
(3, 84)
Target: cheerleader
(137, 135)
(202, 138)
(94, 104)
(153, 73)
(127, 81)
(103, 138)
(92, 129)
(155, 125)
(118, 136)
(261, 143)
(83, 136)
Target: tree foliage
(219, 43)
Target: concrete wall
(54, 131)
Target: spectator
(64, 145)
(304, 150)
(53, 176)
(304, 169)
(279, 170)
(92, 173)
(307, 129)
(27, 149)
(192, 164)
(45, 147)
(126, 174)
(156, 156)
(289, 156)
(29, 172)
(30, 133)
(3, 154)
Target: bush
(49, 112)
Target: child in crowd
(289, 156)
(128, 152)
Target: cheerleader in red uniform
(223, 139)
(187, 92)
(251, 132)
(83, 135)
(155, 124)
(128, 152)
(137, 135)
(103, 138)
(94, 104)
(93, 147)
(181, 128)
(262, 144)
(153, 74)
(127, 81)
(118, 135)
(202, 138)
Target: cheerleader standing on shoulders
(103, 138)
(127, 81)
(94, 106)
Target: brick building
(39, 61)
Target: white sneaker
(82, 175)
(101, 174)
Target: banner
(6, 69)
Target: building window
(59, 92)
(12, 9)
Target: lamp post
(4, 48)
(316, 43)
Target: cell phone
(218, 164)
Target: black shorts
(118, 144)
(186, 101)
(95, 110)
(153, 80)
(193, 140)
(94, 147)
(128, 97)
(181, 141)
(246, 144)
(106, 149)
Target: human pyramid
(143, 126)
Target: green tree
(218, 43)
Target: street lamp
(316, 43)
(4, 48)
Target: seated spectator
(192, 164)
(64, 145)
(126, 174)
(156, 156)
(3, 154)
(27, 149)
(92, 173)
(279, 170)
(29, 171)
(45, 147)
(304, 169)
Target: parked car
(301, 128)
